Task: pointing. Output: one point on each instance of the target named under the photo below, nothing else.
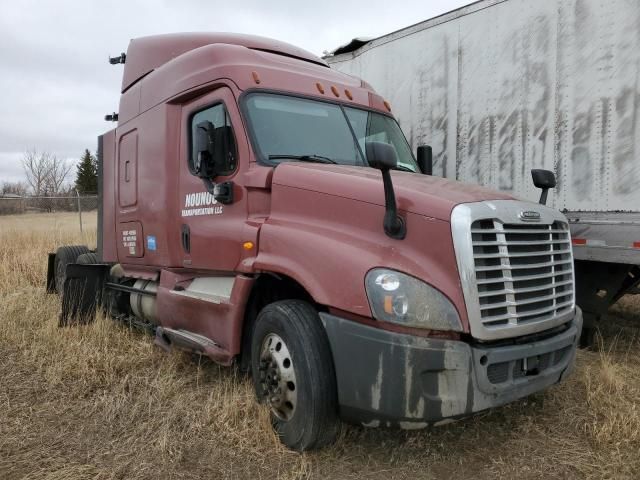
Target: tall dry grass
(101, 402)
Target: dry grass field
(101, 402)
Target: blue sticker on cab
(151, 242)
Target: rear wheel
(293, 373)
(87, 259)
(65, 256)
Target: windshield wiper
(304, 158)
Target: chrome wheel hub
(277, 377)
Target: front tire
(292, 370)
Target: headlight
(399, 298)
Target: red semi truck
(262, 209)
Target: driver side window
(221, 137)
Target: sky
(56, 82)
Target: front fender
(328, 244)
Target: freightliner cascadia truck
(264, 210)
(503, 86)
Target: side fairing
(106, 241)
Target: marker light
(320, 87)
(388, 304)
(247, 245)
(255, 76)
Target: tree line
(48, 175)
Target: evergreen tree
(87, 176)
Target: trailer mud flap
(82, 294)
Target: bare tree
(58, 172)
(15, 188)
(36, 168)
(45, 172)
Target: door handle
(186, 238)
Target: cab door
(211, 231)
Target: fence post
(79, 210)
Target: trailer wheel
(65, 256)
(293, 373)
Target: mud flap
(51, 273)
(82, 294)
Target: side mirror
(203, 164)
(544, 179)
(211, 153)
(383, 157)
(425, 159)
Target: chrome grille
(524, 272)
(516, 271)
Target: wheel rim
(278, 377)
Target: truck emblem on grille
(529, 216)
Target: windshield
(287, 128)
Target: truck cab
(262, 209)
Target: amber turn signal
(388, 304)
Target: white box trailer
(500, 87)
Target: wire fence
(79, 203)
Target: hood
(420, 194)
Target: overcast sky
(56, 82)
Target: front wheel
(293, 373)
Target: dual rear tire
(65, 256)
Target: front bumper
(392, 379)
